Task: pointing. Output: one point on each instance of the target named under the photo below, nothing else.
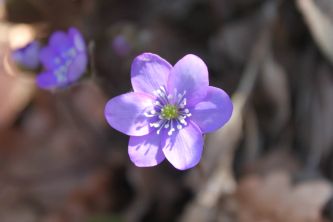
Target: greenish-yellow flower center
(169, 112)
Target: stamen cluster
(63, 62)
(169, 110)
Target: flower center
(63, 61)
(169, 110)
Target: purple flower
(121, 45)
(169, 111)
(27, 56)
(64, 60)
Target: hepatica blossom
(27, 56)
(169, 111)
(121, 45)
(64, 60)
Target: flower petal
(190, 74)
(60, 42)
(48, 58)
(213, 111)
(184, 147)
(149, 72)
(28, 56)
(77, 68)
(47, 80)
(125, 113)
(145, 151)
(77, 39)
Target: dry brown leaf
(275, 199)
(16, 87)
(15, 94)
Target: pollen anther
(170, 109)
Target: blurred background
(273, 162)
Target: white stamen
(182, 121)
(184, 102)
(171, 131)
(156, 124)
(157, 109)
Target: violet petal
(213, 111)
(49, 58)
(60, 42)
(77, 67)
(77, 39)
(190, 74)
(47, 80)
(145, 151)
(28, 56)
(149, 72)
(125, 113)
(183, 148)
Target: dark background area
(273, 162)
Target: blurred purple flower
(64, 59)
(121, 45)
(169, 111)
(27, 56)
